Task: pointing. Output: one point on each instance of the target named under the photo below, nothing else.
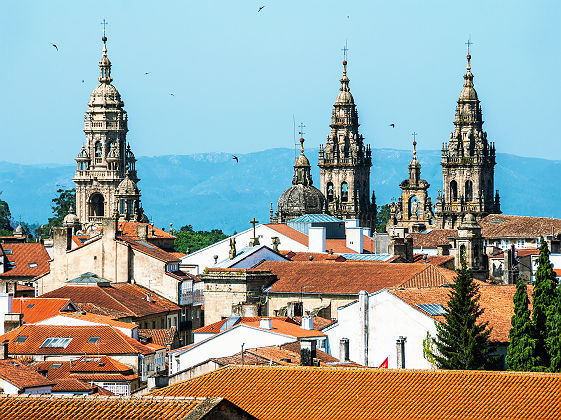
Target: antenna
(294, 134)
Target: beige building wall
(276, 301)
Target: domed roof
(302, 160)
(70, 219)
(301, 199)
(105, 94)
(468, 93)
(127, 187)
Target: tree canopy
(187, 240)
(5, 219)
(61, 204)
(382, 218)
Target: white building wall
(225, 344)
(8, 388)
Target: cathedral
(105, 178)
(345, 162)
(468, 164)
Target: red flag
(384, 364)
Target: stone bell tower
(345, 162)
(468, 164)
(106, 175)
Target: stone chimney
(4, 350)
(344, 349)
(443, 249)
(142, 231)
(307, 352)
(400, 347)
(308, 322)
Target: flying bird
(83, 80)
(172, 94)
(392, 125)
(147, 72)
(235, 158)
(261, 8)
(54, 45)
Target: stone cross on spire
(104, 23)
(469, 44)
(255, 240)
(414, 143)
(345, 49)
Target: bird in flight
(235, 158)
(83, 80)
(261, 8)
(147, 72)
(172, 94)
(392, 125)
(54, 45)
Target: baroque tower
(106, 176)
(345, 163)
(468, 164)
(414, 209)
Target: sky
(240, 77)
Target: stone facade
(468, 164)
(345, 163)
(106, 175)
(469, 247)
(414, 208)
(302, 197)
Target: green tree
(382, 218)
(553, 339)
(187, 240)
(461, 341)
(62, 202)
(5, 219)
(521, 355)
(543, 304)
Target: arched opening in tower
(453, 191)
(329, 191)
(97, 205)
(469, 190)
(344, 191)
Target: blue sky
(238, 76)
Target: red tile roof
(111, 341)
(21, 376)
(352, 276)
(524, 252)
(71, 385)
(131, 229)
(495, 300)
(116, 300)
(26, 260)
(505, 226)
(431, 239)
(38, 309)
(149, 249)
(163, 337)
(313, 256)
(354, 393)
(319, 323)
(100, 319)
(103, 407)
(281, 325)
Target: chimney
(400, 344)
(142, 231)
(363, 323)
(354, 239)
(4, 350)
(307, 352)
(443, 249)
(266, 323)
(344, 349)
(316, 239)
(148, 297)
(307, 322)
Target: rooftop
(131, 229)
(282, 325)
(149, 249)
(25, 260)
(505, 226)
(21, 376)
(37, 309)
(86, 368)
(432, 238)
(362, 393)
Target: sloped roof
(362, 393)
(505, 226)
(131, 229)
(281, 325)
(496, 300)
(351, 277)
(116, 300)
(313, 256)
(38, 309)
(524, 252)
(25, 260)
(149, 249)
(21, 376)
(433, 238)
(99, 319)
(104, 407)
(162, 337)
(86, 368)
(111, 341)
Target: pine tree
(521, 353)
(553, 340)
(462, 342)
(543, 304)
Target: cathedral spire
(104, 65)
(302, 168)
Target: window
(117, 388)
(153, 325)
(31, 305)
(98, 151)
(56, 342)
(32, 265)
(20, 338)
(469, 190)
(432, 308)
(55, 366)
(162, 323)
(8, 252)
(93, 340)
(329, 191)
(521, 243)
(453, 191)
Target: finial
(301, 132)
(104, 23)
(301, 144)
(469, 44)
(345, 49)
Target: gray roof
(315, 218)
(89, 278)
(367, 257)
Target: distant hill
(213, 191)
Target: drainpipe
(363, 326)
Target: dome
(83, 155)
(105, 94)
(70, 219)
(302, 160)
(127, 187)
(300, 199)
(468, 93)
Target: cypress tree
(521, 353)
(553, 340)
(543, 304)
(462, 342)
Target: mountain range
(212, 190)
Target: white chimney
(351, 223)
(266, 323)
(5, 308)
(307, 322)
(316, 239)
(366, 232)
(363, 325)
(354, 239)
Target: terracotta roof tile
(86, 368)
(111, 341)
(131, 229)
(99, 407)
(20, 375)
(524, 252)
(354, 393)
(25, 260)
(505, 226)
(319, 322)
(289, 232)
(38, 309)
(313, 256)
(148, 249)
(431, 239)
(495, 300)
(100, 319)
(71, 385)
(281, 325)
(350, 277)
(163, 337)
